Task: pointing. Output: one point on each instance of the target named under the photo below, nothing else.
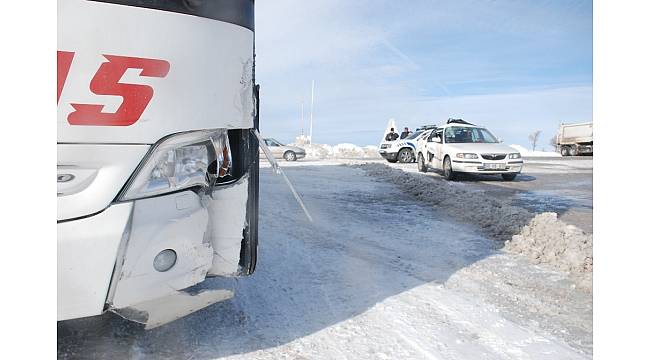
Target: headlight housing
(181, 161)
(514, 156)
(467, 156)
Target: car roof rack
(426, 127)
(458, 121)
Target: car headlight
(181, 161)
(514, 156)
(467, 156)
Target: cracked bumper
(85, 263)
(105, 261)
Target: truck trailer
(157, 157)
(575, 139)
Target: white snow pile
(550, 241)
(530, 153)
(541, 237)
(340, 151)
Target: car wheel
(573, 150)
(564, 151)
(405, 155)
(421, 166)
(290, 156)
(447, 170)
(508, 177)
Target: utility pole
(302, 118)
(311, 114)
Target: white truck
(575, 139)
(157, 160)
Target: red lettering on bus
(135, 97)
(63, 62)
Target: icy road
(378, 275)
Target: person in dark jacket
(392, 135)
(405, 133)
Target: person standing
(405, 133)
(392, 135)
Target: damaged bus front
(157, 184)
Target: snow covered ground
(340, 151)
(537, 153)
(379, 274)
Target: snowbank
(529, 153)
(550, 241)
(340, 151)
(541, 237)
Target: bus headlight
(181, 161)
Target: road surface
(377, 275)
(561, 185)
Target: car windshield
(465, 134)
(414, 135)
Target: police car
(403, 150)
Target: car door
(276, 148)
(421, 142)
(434, 149)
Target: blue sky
(513, 66)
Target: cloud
(514, 66)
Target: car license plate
(494, 166)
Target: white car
(461, 147)
(402, 150)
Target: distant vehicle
(461, 147)
(287, 152)
(401, 150)
(575, 139)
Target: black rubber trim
(248, 250)
(467, 162)
(82, 217)
(389, 156)
(238, 12)
(101, 143)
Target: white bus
(157, 163)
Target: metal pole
(311, 114)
